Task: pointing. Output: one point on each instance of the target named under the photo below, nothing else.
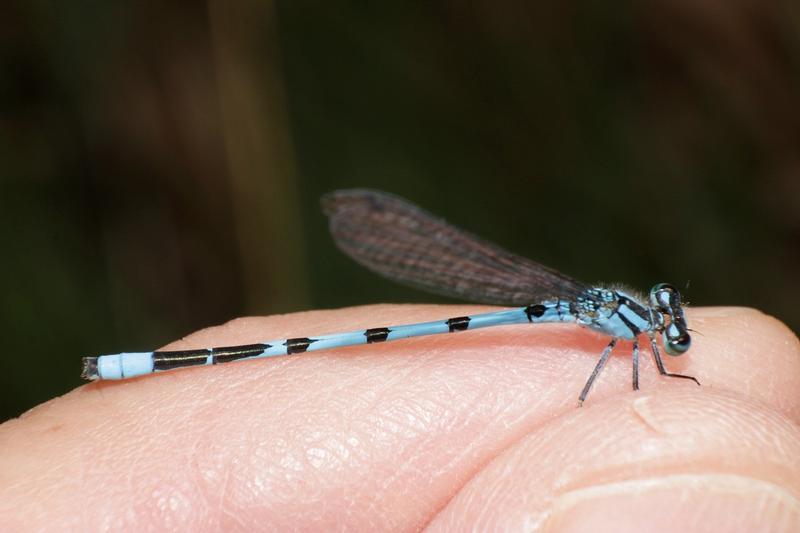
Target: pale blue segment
(337, 340)
(109, 366)
(498, 318)
(124, 365)
(416, 330)
(276, 348)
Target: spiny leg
(635, 365)
(597, 369)
(660, 364)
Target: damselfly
(404, 243)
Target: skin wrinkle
(221, 494)
(457, 488)
(726, 483)
(640, 407)
(478, 468)
(452, 460)
(212, 498)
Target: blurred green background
(162, 162)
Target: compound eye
(662, 296)
(677, 345)
(663, 287)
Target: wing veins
(404, 243)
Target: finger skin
(678, 460)
(362, 437)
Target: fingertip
(745, 326)
(746, 351)
(640, 462)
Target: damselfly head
(666, 299)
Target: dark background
(161, 163)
